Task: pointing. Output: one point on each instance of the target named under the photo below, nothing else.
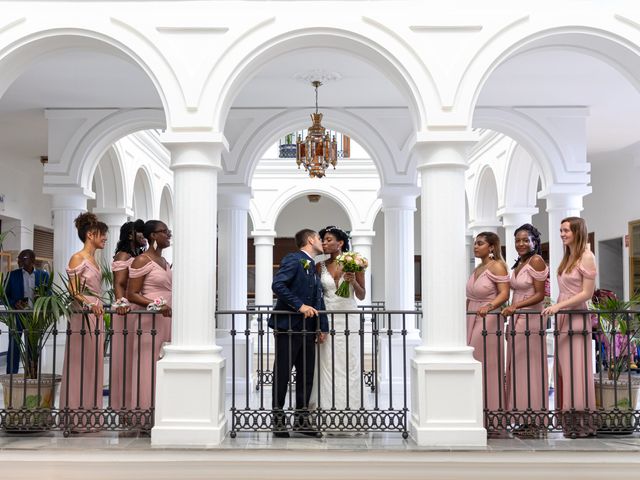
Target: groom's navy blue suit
(295, 284)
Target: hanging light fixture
(318, 150)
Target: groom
(299, 291)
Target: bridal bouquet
(350, 262)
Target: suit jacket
(295, 285)
(15, 285)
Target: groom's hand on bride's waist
(308, 311)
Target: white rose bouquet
(350, 262)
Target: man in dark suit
(299, 291)
(20, 288)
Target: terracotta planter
(27, 401)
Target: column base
(446, 398)
(190, 398)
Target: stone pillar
(559, 206)
(399, 206)
(66, 205)
(190, 387)
(361, 242)
(233, 209)
(512, 219)
(263, 242)
(446, 382)
(114, 218)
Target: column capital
(399, 196)
(193, 149)
(68, 198)
(567, 197)
(234, 196)
(362, 237)
(444, 149)
(484, 224)
(516, 215)
(263, 237)
(107, 212)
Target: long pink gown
(121, 351)
(82, 371)
(574, 383)
(481, 291)
(146, 347)
(527, 355)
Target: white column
(361, 242)
(399, 206)
(233, 209)
(446, 386)
(478, 226)
(66, 205)
(190, 388)
(114, 218)
(263, 242)
(513, 218)
(559, 206)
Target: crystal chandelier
(318, 150)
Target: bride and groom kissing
(308, 291)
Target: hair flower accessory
(157, 304)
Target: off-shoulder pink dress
(121, 350)
(82, 372)
(574, 383)
(481, 291)
(146, 346)
(527, 374)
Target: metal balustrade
(364, 397)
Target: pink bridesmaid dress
(574, 383)
(82, 372)
(527, 386)
(481, 291)
(121, 351)
(146, 347)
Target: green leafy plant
(4, 235)
(52, 302)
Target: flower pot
(28, 402)
(615, 407)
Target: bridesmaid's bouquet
(350, 262)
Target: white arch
(110, 182)
(142, 198)
(521, 180)
(166, 206)
(485, 204)
(619, 47)
(250, 148)
(403, 66)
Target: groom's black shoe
(281, 434)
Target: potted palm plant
(617, 332)
(29, 396)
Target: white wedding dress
(334, 359)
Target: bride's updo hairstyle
(88, 222)
(340, 235)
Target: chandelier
(318, 150)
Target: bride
(339, 366)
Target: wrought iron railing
(102, 378)
(359, 391)
(574, 373)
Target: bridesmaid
(576, 281)
(130, 245)
(526, 373)
(488, 289)
(82, 372)
(150, 288)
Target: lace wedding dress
(338, 374)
